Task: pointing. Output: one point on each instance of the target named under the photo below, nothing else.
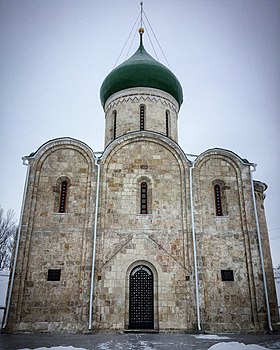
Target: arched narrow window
(63, 197)
(167, 121)
(142, 117)
(218, 200)
(114, 124)
(144, 198)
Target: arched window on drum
(142, 117)
(167, 123)
(114, 129)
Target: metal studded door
(141, 298)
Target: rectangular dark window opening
(115, 126)
(144, 198)
(227, 275)
(63, 196)
(54, 275)
(218, 200)
(167, 123)
(142, 118)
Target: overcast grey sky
(55, 55)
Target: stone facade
(157, 239)
(52, 240)
(229, 242)
(181, 205)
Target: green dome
(141, 70)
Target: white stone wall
(225, 305)
(161, 239)
(259, 189)
(228, 242)
(126, 104)
(158, 238)
(52, 240)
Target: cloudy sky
(55, 55)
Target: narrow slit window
(114, 125)
(144, 198)
(167, 121)
(218, 200)
(63, 197)
(142, 117)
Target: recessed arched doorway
(141, 298)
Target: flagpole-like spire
(141, 29)
(141, 4)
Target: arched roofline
(146, 135)
(60, 141)
(223, 152)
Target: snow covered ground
(210, 337)
(236, 346)
(139, 341)
(58, 348)
(218, 346)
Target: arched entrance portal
(141, 298)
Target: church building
(141, 236)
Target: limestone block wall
(225, 243)
(159, 239)
(123, 110)
(259, 188)
(55, 241)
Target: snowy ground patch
(57, 348)
(211, 337)
(236, 346)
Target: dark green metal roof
(141, 70)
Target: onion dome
(141, 70)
